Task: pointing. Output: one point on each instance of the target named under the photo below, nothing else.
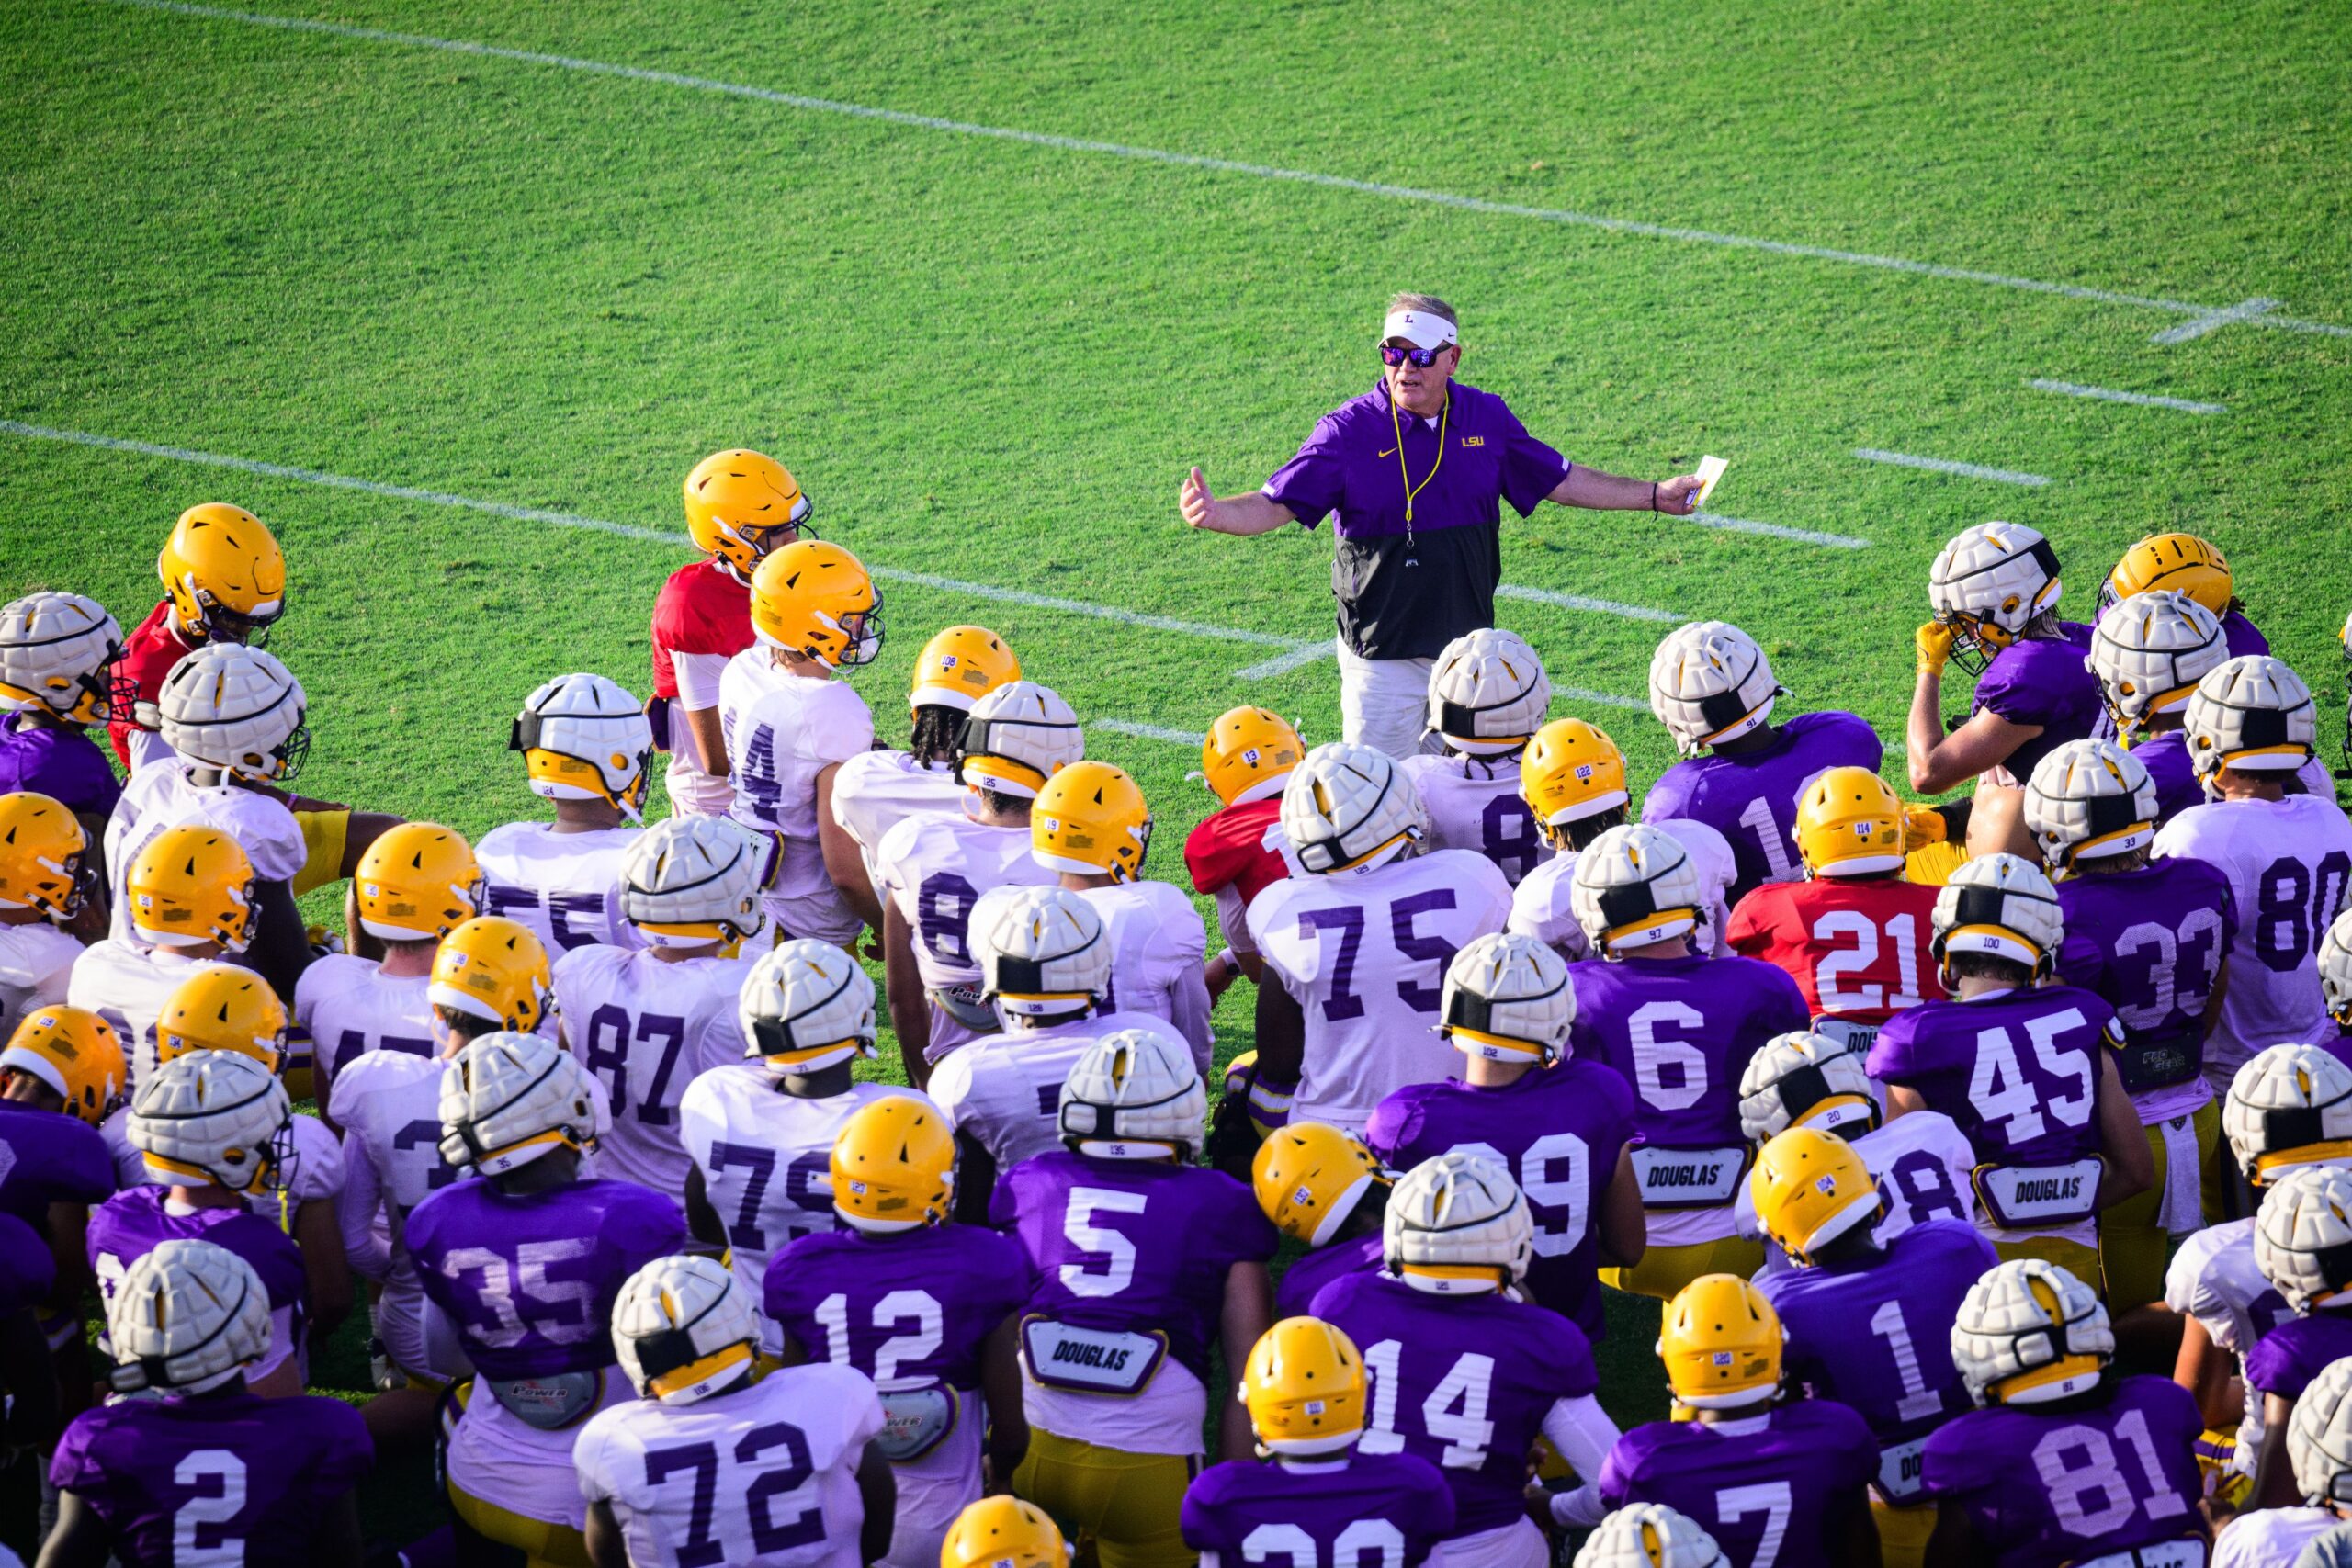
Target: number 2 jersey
(1474, 804)
(647, 1027)
(1775, 1489)
(2084, 1482)
(226, 1479)
(1391, 1509)
(765, 1476)
(2288, 862)
(1751, 797)
(1365, 953)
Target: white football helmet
(1804, 1079)
(2319, 1436)
(1042, 950)
(1134, 1094)
(2027, 1333)
(1018, 736)
(1633, 886)
(583, 738)
(212, 1119)
(2252, 714)
(691, 881)
(2149, 652)
(2090, 799)
(2290, 1105)
(1458, 1224)
(683, 1330)
(1709, 683)
(1488, 693)
(2336, 969)
(1649, 1535)
(506, 1098)
(185, 1317)
(238, 710)
(2303, 1235)
(1988, 584)
(57, 652)
(1999, 903)
(1508, 997)
(1350, 808)
(807, 1006)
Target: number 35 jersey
(765, 1477)
(2289, 862)
(1365, 953)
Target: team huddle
(1921, 1124)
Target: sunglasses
(1422, 357)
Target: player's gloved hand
(1934, 642)
(323, 943)
(1922, 826)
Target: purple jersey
(1132, 1245)
(2043, 681)
(2044, 1487)
(1392, 1508)
(2284, 1360)
(63, 764)
(1681, 1031)
(1558, 1129)
(1473, 1413)
(2150, 943)
(2017, 1071)
(2242, 637)
(1778, 1488)
(1310, 1271)
(531, 1280)
(28, 1269)
(132, 1224)
(2166, 757)
(909, 1311)
(206, 1479)
(1873, 1338)
(1751, 797)
(48, 1156)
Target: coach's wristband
(1653, 495)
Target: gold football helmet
(77, 1053)
(418, 882)
(2182, 562)
(191, 886)
(1247, 753)
(1849, 823)
(1309, 1177)
(741, 506)
(894, 1167)
(1304, 1387)
(1090, 818)
(223, 1009)
(43, 857)
(1721, 1344)
(495, 969)
(1810, 1187)
(959, 666)
(1571, 771)
(225, 574)
(1003, 1532)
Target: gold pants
(2133, 1243)
(1664, 1271)
(1125, 1504)
(1903, 1533)
(2080, 1261)
(543, 1545)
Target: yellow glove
(1934, 641)
(1922, 826)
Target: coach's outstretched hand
(1679, 497)
(1197, 501)
(1249, 512)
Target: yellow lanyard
(1406, 475)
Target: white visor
(1418, 328)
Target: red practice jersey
(1229, 850)
(1857, 948)
(699, 609)
(149, 654)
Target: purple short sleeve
(1531, 470)
(1313, 482)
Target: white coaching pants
(1383, 703)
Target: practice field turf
(382, 249)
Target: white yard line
(2141, 399)
(1579, 602)
(1775, 530)
(1945, 465)
(2207, 317)
(1146, 731)
(2213, 321)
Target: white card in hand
(1710, 470)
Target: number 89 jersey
(1365, 954)
(765, 1476)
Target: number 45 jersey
(764, 1477)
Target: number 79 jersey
(1365, 954)
(765, 1477)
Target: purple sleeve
(1198, 1521)
(2272, 1366)
(1391, 1129)
(1004, 1205)
(88, 1176)
(1011, 1280)
(1568, 1357)
(1952, 1463)
(78, 1467)
(1245, 1233)
(1313, 482)
(1782, 1005)
(347, 1453)
(1437, 1503)
(1618, 1469)
(1531, 470)
(656, 1227)
(1670, 797)
(776, 1295)
(1891, 1055)
(27, 1271)
(2082, 960)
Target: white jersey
(875, 791)
(1157, 945)
(1540, 907)
(1365, 953)
(1474, 804)
(161, 798)
(704, 1482)
(648, 1029)
(128, 987)
(2214, 1278)
(1004, 1090)
(36, 967)
(767, 1159)
(314, 1174)
(778, 744)
(2289, 862)
(692, 790)
(565, 886)
(2270, 1538)
(349, 1006)
(934, 869)
(389, 1104)
(1923, 1166)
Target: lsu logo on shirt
(1474, 441)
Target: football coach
(1416, 470)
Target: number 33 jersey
(765, 1476)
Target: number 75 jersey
(1364, 954)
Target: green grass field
(552, 287)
